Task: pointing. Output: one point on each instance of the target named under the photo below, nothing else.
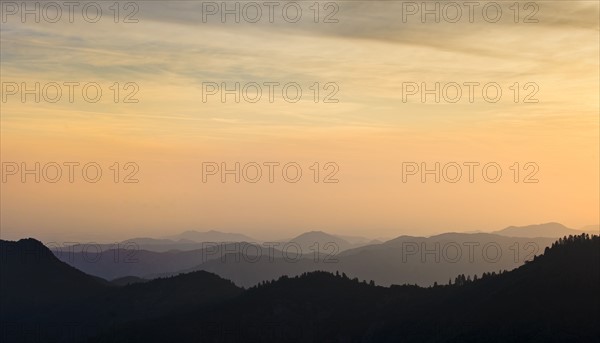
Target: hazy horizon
(258, 235)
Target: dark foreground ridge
(553, 298)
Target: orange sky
(369, 133)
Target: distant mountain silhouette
(186, 241)
(553, 298)
(357, 240)
(109, 263)
(115, 263)
(158, 245)
(551, 230)
(406, 259)
(425, 260)
(195, 240)
(321, 242)
(143, 241)
(137, 243)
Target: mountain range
(551, 298)
(405, 259)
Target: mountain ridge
(526, 304)
(550, 229)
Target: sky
(361, 145)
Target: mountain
(212, 236)
(158, 245)
(552, 298)
(357, 240)
(156, 241)
(34, 279)
(194, 240)
(247, 273)
(131, 261)
(186, 241)
(552, 230)
(127, 280)
(426, 260)
(47, 299)
(320, 242)
(406, 259)
(144, 243)
(152, 299)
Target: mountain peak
(26, 249)
(544, 225)
(551, 229)
(307, 241)
(315, 233)
(32, 277)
